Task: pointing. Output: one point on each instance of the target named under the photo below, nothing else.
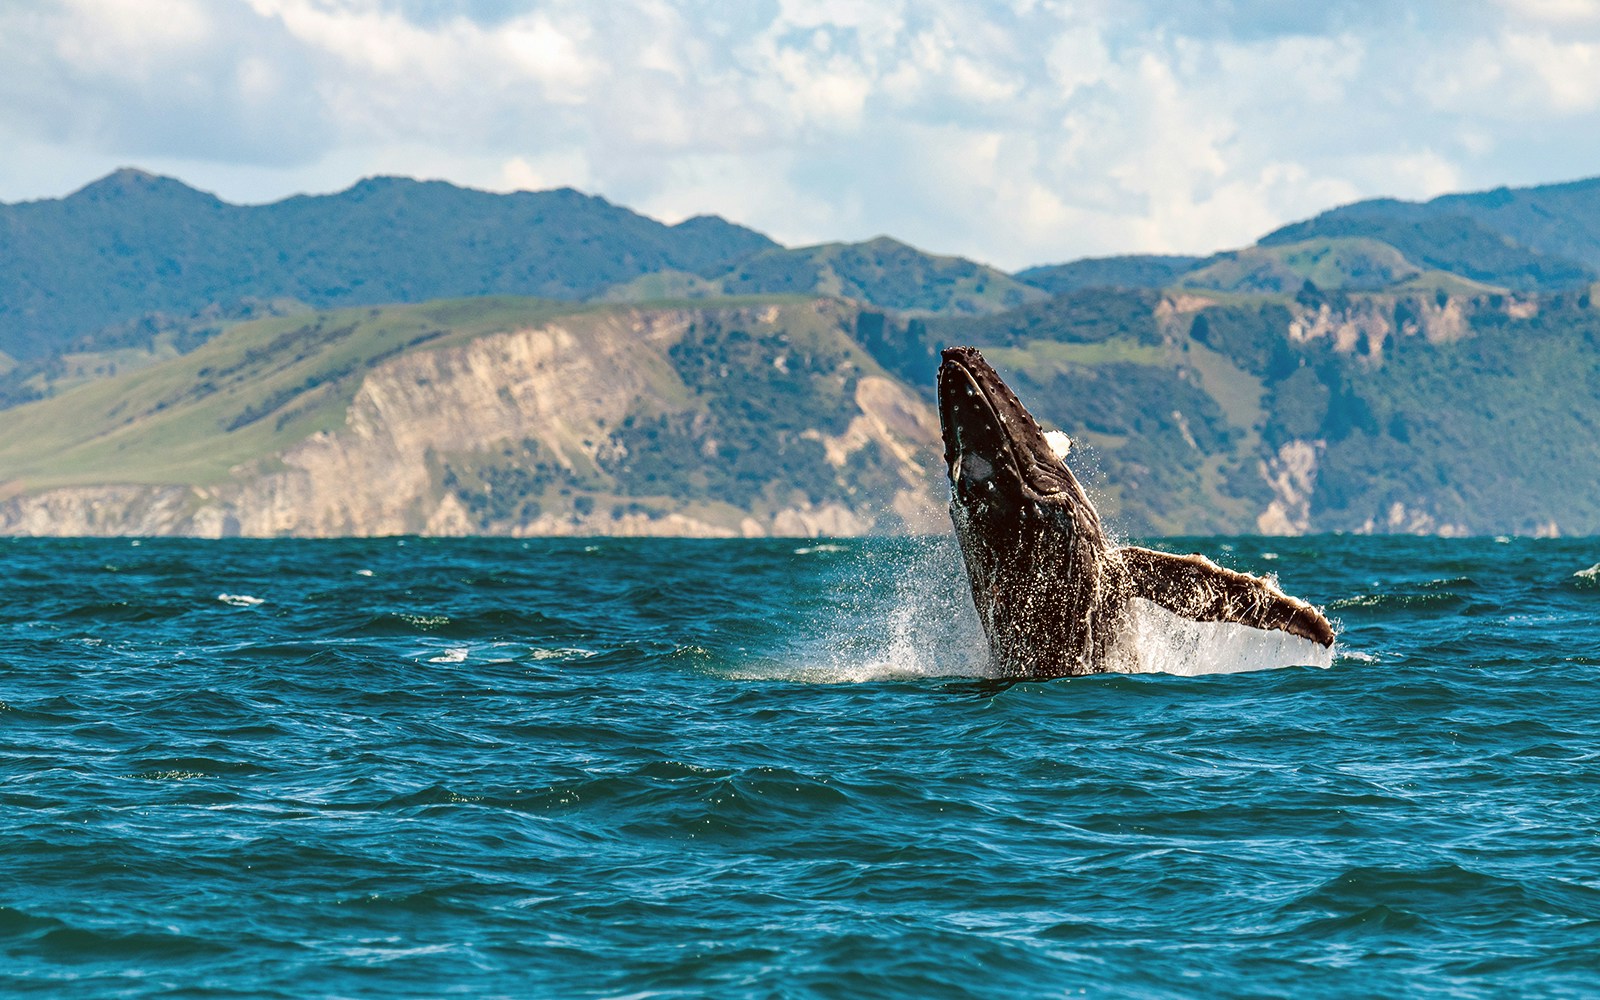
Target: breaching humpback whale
(1056, 597)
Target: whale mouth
(990, 438)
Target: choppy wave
(688, 768)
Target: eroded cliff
(540, 430)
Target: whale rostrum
(1055, 596)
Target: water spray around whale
(1056, 597)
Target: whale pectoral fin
(1197, 588)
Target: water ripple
(684, 768)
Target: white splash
(1154, 640)
(1592, 573)
(927, 627)
(240, 600)
(906, 613)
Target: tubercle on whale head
(995, 451)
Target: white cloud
(130, 36)
(1558, 12)
(1567, 71)
(541, 173)
(552, 54)
(1017, 131)
(1077, 58)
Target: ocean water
(659, 768)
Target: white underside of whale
(1153, 640)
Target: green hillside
(1385, 366)
(1525, 239)
(883, 272)
(1356, 263)
(132, 244)
(1544, 236)
(1130, 271)
(128, 346)
(1437, 235)
(1199, 412)
(1352, 263)
(1424, 412)
(1558, 220)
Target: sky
(1016, 132)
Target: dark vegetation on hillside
(509, 486)
(1130, 271)
(1499, 431)
(1454, 243)
(761, 400)
(132, 244)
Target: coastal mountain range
(411, 356)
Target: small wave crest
(926, 626)
(1401, 604)
(472, 625)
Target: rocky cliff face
(441, 442)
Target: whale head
(1003, 467)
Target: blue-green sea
(672, 768)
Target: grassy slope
(1129, 271)
(1437, 238)
(661, 285)
(245, 395)
(1352, 263)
